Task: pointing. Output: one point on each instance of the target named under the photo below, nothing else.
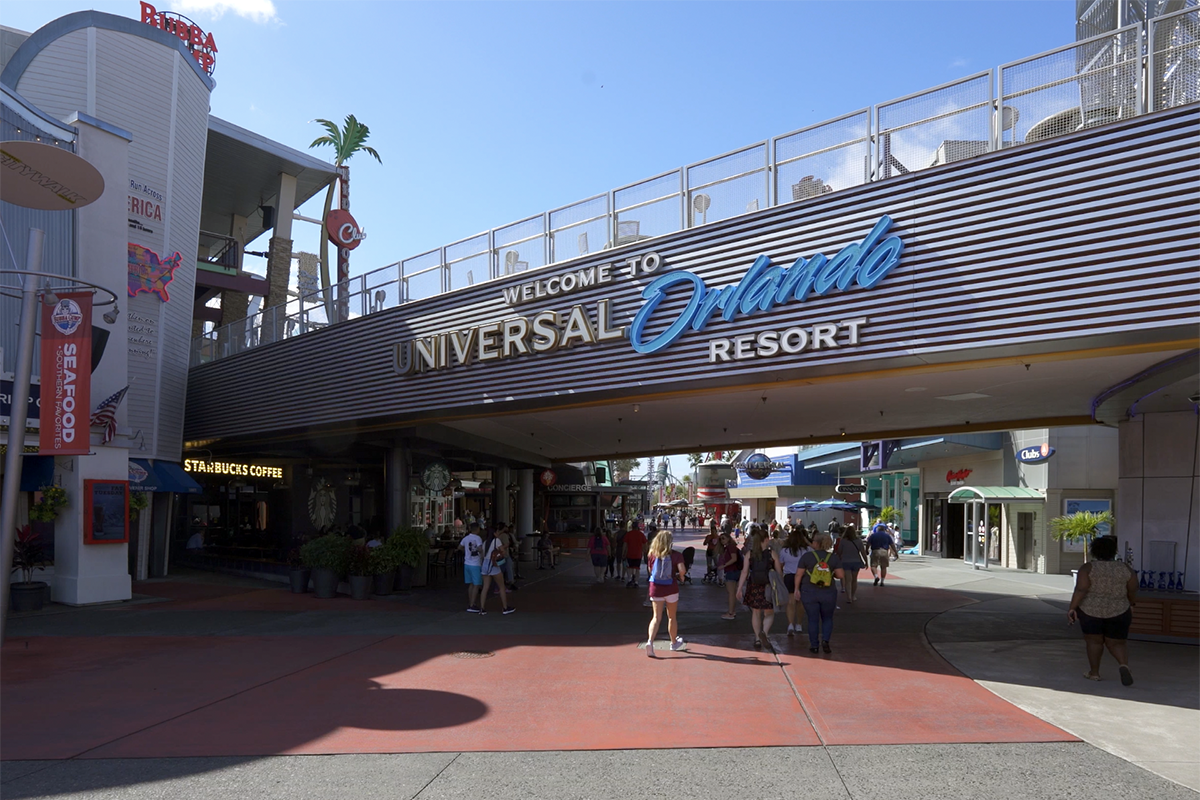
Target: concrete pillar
(285, 205)
(525, 503)
(397, 499)
(502, 477)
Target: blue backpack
(662, 573)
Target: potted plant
(360, 572)
(328, 557)
(382, 565)
(137, 502)
(54, 499)
(27, 594)
(1080, 526)
(408, 547)
(299, 573)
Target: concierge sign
(105, 512)
(655, 327)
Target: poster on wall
(105, 512)
(1074, 507)
(66, 375)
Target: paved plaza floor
(945, 682)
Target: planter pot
(360, 586)
(404, 578)
(421, 571)
(27, 596)
(300, 577)
(325, 583)
(383, 583)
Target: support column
(501, 477)
(279, 259)
(397, 475)
(525, 503)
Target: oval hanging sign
(45, 177)
(343, 230)
(1035, 455)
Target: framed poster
(1075, 506)
(105, 512)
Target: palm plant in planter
(408, 546)
(1080, 526)
(382, 565)
(360, 572)
(28, 555)
(328, 557)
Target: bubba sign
(66, 365)
(201, 44)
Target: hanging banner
(66, 375)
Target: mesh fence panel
(1089, 84)
(821, 159)
(521, 246)
(727, 186)
(420, 265)
(649, 208)
(1174, 45)
(424, 284)
(579, 229)
(470, 271)
(942, 125)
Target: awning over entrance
(996, 494)
(148, 476)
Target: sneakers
(508, 610)
(650, 649)
(791, 630)
(729, 616)
(473, 609)
(678, 644)
(825, 647)
(877, 581)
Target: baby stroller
(689, 555)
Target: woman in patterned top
(1105, 591)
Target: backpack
(760, 569)
(598, 548)
(821, 575)
(661, 572)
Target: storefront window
(430, 508)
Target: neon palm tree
(347, 141)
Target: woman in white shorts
(666, 573)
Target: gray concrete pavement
(916, 772)
(1015, 641)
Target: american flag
(106, 414)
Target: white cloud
(253, 10)
(959, 62)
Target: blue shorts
(473, 574)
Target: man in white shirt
(472, 547)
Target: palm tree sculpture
(347, 141)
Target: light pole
(30, 285)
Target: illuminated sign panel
(229, 468)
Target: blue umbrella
(804, 506)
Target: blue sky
(487, 113)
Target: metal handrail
(205, 347)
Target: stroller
(689, 555)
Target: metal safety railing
(1137, 69)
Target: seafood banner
(66, 370)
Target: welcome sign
(763, 287)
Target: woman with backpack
(816, 592)
(666, 573)
(598, 549)
(757, 565)
(495, 557)
(853, 553)
(789, 560)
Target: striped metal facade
(1085, 241)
